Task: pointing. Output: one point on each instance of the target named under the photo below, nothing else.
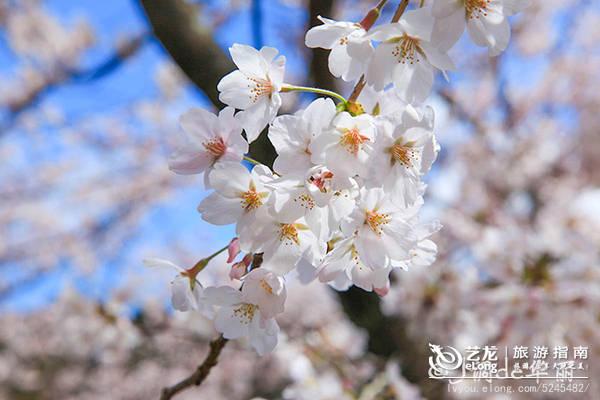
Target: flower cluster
(341, 201)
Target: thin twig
(361, 82)
(400, 10)
(357, 89)
(201, 372)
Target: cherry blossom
(254, 87)
(406, 56)
(486, 22)
(292, 135)
(383, 230)
(186, 293)
(266, 290)
(238, 196)
(210, 139)
(322, 198)
(404, 152)
(284, 242)
(345, 148)
(244, 313)
(350, 49)
(344, 266)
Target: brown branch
(400, 10)
(195, 379)
(123, 51)
(360, 85)
(192, 46)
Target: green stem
(216, 253)
(292, 88)
(200, 265)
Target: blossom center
(355, 257)
(403, 153)
(306, 201)
(216, 147)
(321, 180)
(265, 286)
(245, 312)
(352, 140)
(407, 49)
(377, 221)
(252, 199)
(289, 234)
(259, 88)
(476, 8)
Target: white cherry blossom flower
(292, 135)
(266, 290)
(285, 242)
(239, 195)
(423, 254)
(486, 21)
(404, 152)
(209, 139)
(406, 56)
(238, 317)
(322, 198)
(344, 263)
(346, 146)
(254, 87)
(350, 49)
(186, 292)
(383, 230)
(337, 194)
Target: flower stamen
(245, 312)
(352, 140)
(407, 49)
(476, 8)
(376, 221)
(252, 199)
(216, 147)
(404, 153)
(266, 287)
(289, 234)
(259, 88)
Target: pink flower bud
(382, 291)
(238, 270)
(233, 250)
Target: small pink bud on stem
(381, 292)
(239, 269)
(233, 250)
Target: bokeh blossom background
(89, 102)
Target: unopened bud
(381, 292)
(239, 269)
(233, 250)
